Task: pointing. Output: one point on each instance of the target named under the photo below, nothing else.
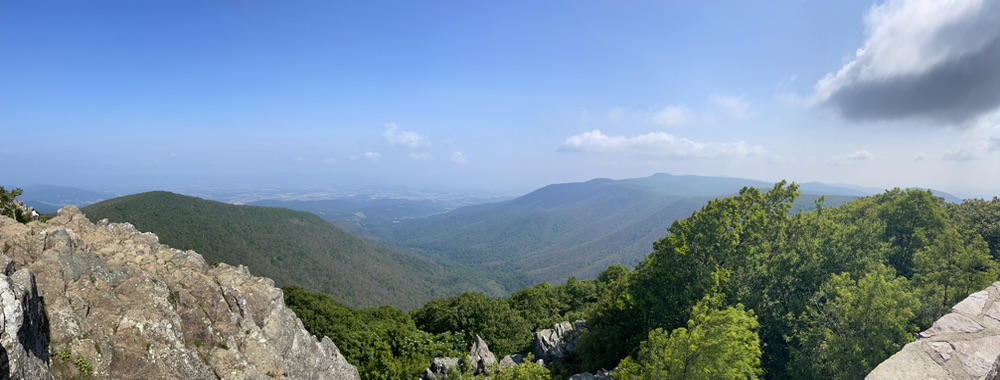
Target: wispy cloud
(373, 155)
(658, 144)
(397, 137)
(673, 116)
(851, 159)
(733, 105)
(458, 158)
(923, 59)
(919, 157)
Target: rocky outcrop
(109, 302)
(441, 368)
(480, 358)
(964, 344)
(483, 361)
(24, 327)
(554, 344)
(600, 375)
(511, 361)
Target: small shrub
(84, 367)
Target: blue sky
(501, 95)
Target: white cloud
(734, 105)
(396, 137)
(923, 59)
(673, 116)
(373, 155)
(967, 152)
(458, 157)
(979, 144)
(851, 159)
(919, 157)
(658, 144)
(300, 159)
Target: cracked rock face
(555, 343)
(964, 344)
(111, 302)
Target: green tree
(718, 343)
(728, 235)
(852, 325)
(912, 218)
(983, 217)
(11, 208)
(526, 371)
(383, 343)
(949, 269)
(474, 314)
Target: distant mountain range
(577, 229)
(48, 199)
(561, 230)
(293, 248)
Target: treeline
(386, 343)
(744, 288)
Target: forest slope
(291, 247)
(574, 229)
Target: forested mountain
(293, 248)
(745, 287)
(573, 229)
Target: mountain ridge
(291, 247)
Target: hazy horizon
(503, 97)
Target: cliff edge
(963, 344)
(106, 301)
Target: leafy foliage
(474, 314)
(815, 280)
(11, 208)
(716, 344)
(383, 342)
(851, 326)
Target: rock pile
(964, 344)
(480, 358)
(109, 302)
(554, 344)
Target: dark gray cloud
(924, 60)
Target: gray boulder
(482, 359)
(23, 327)
(600, 375)
(511, 361)
(440, 368)
(964, 344)
(554, 344)
(117, 304)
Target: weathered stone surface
(964, 344)
(511, 361)
(440, 368)
(23, 328)
(952, 323)
(482, 359)
(119, 305)
(600, 375)
(555, 343)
